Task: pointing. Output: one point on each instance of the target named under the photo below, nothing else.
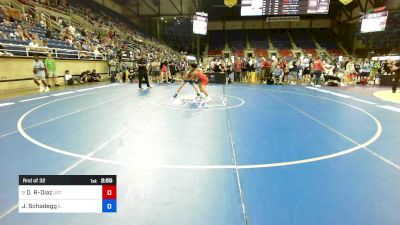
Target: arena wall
(16, 72)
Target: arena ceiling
(160, 8)
(218, 11)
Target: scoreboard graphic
(67, 193)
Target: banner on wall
(345, 2)
(230, 3)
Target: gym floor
(255, 155)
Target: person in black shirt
(142, 67)
(396, 75)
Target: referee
(142, 65)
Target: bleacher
(216, 40)
(302, 39)
(285, 53)
(325, 38)
(261, 52)
(236, 39)
(310, 51)
(258, 39)
(280, 39)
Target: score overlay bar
(67, 193)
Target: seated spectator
(34, 44)
(70, 40)
(19, 32)
(84, 77)
(85, 46)
(26, 34)
(69, 80)
(277, 73)
(43, 24)
(2, 35)
(95, 76)
(6, 23)
(4, 52)
(49, 34)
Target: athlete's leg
(203, 89)
(180, 87)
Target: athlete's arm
(195, 76)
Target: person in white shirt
(69, 80)
(365, 69)
(306, 65)
(39, 74)
(350, 72)
(277, 73)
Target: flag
(230, 3)
(345, 2)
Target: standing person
(163, 74)
(266, 70)
(188, 78)
(293, 71)
(365, 71)
(200, 78)
(142, 64)
(245, 69)
(237, 69)
(396, 75)
(39, 74)
(374, 70)
(124, 69)
(306, 64)
(318, 68)
(50, 65)
(258, 67)
(112, 65)
(277, 73)
(350, 72)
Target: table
(219, 78)
(386, 80)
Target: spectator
(49, 34)
(50, 65)
(318, 67)
(69, 80)
(112, 65)
(395, 68)
(365, 69)
(39, 75)
(257, 68)
(266, 69)
(95, 76)
(237, 69)
(124, 71)
(4, 52)
(26, 34)
(70, 40)
(6, 23)
(2, 34)
(19, 32)
(84, 77)
(277, 73)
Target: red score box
(109, 192)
